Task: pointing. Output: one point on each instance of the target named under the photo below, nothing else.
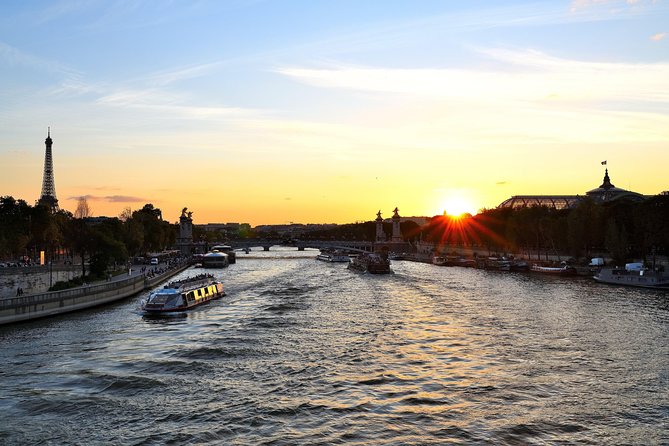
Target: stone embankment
(17, 309)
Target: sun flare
(458, 205)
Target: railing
(54, 296)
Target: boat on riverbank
(642, 278)
(372, 263)
(564, 270)
(182, 295)
(439, 261)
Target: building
(605, 193)
(227, 229)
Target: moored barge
(642, 278)
(371, 263)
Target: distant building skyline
(605, 193)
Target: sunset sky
(271, 112)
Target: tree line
(26, 231)
(619, 229)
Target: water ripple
(303, 352)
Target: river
(304, 352)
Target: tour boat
(182, 295)
(371, 263)
(639, 278)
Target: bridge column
(265, 248)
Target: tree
(616, 242)
(83, 209)
(15, 224)
(79, 238)
(126, 214)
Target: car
(154, 261)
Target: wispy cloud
(527, 97)
(657, 37)
(13, 56)
(161, 101)
(110, 198)
(613, 5)
(166, 77)
(526, 76)
(61, 8)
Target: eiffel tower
(48, 197)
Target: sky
(314, 111)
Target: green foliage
(64, 285)
(156, 233)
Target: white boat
(215, 259)
(439, 261)
(182, 295)
(333, 257)
(643, 278)
(564, 270)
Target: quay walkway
(24, 308)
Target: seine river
(301, 352)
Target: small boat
(564, 270)
(215, 259)
(495, 263)
(466, 263)
(371, 263)
(439, 261)
(643, 278)
(333, 257)
(182, 295)
(227, 250)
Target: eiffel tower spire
(48, 196)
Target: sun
(458, 205)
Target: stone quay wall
(34, 279)
(17, 309)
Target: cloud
(110, 198)
(657, 37)
(159, 101)
(15, 57)
(181, 73)
(527, 76)
(577, 5)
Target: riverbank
(34, 306)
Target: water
(304, 352)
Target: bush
(65, 285)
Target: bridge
(301, 245)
